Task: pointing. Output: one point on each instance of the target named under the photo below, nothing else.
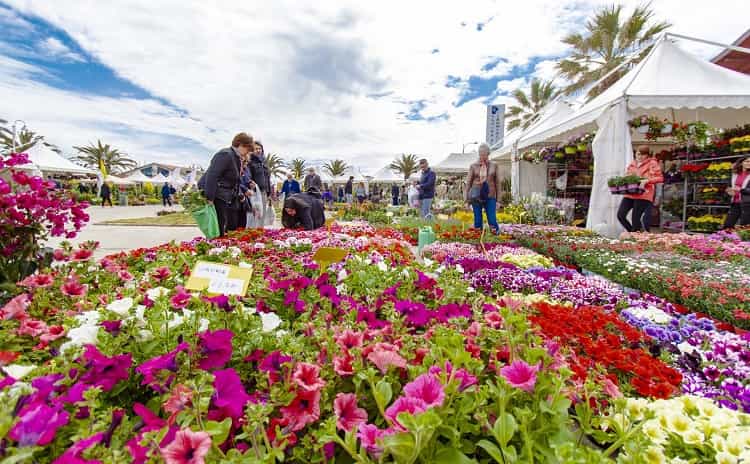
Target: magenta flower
(215, 348)
(38, 425)
(407, 404)
(161, 273)
(188, 447)
(348, 414)
(229, 397)
(37, 281)
(158, 372)
(520, 375)
(73, 288)
(73, 454)
(180, 299)
(369, 435)
(427, 388)
(103, 371)
(307, 377)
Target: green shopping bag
(207, 221)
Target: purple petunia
(215, 348)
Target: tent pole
(709, 42)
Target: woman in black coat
(303, 210)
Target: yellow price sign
(326, 255)
(219, 278)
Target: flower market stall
(669, 83)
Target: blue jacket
(290, 187)
(427, 184)
(165, 191)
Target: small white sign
(211, 270)
(225, 286)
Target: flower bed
(705, 274)
(374, 359)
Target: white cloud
(297, 74)
(54, 48)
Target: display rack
(578, 186)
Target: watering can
(426, 236)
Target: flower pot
(559, 155)
(634, 186)
(667, 129)
(614, 189)
(642, 129)
(570, 150)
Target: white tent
(456, 163)
(110, 179)
(139, 177)
(160, 179)
(668, 83)
(49, 162)
(387, 176)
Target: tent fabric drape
(612, 149)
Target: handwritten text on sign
(211, 270)
(226, 286)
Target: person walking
(426, 189)
(166, 193)
(739, 190)
(312, 181)
(349, 190)
(361, 193)
(303, 210)
(648, 169)
(222, 182)
(106, 193)
(327, 196)
(340, 194)
(483, 188)
(395, 191)
(412, 195)
(290, 186)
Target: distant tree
(25, 139)
(406, 165)
(275, 164)
(114, 160)
(607, 43)
(336, 167)
(297, 167)
(529, 108)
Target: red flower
(307, 377)
(348, 414)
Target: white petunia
(203, 325)
(156, 292)
(382, 266)
(88, 318)
(145, 335)
(270, 321)
(79, 336)
(121, 307)
(342, 275)
(18, 371)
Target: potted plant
(667, 128)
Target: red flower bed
(600, 339)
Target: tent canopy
(138, 176)
(110, 179)
(456, 163)
(387, 176)
(48, 161)
(669, 83)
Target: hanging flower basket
(642, 129)
(667, 129)
(570, 150)
(582, 147)
(559, 155)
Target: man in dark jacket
(313, 181)
(222, 182)
(395, 191)
(349, 190)
(426, 189)
(106, 193)
(166, 194)
(303, 210)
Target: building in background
(495, 124)
(735, 60)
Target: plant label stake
(326, 256)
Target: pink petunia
(188, 447)
(302, 411)
(180, 299)
(406, 404)
(427, 388)
(342, 365)
(347, 413)
(521, 375)
(161, 273)
(125, 275)
(37, 281)
(369, 435)
(350, 339)
(307, 377)
(385, 355)
(73, 288)
(16, 308)
(32, 328)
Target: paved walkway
(113, 239)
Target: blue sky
(355, 81)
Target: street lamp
(14, 132)
(463, 149)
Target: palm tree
(336, 167)
(608, 43)
(529, 107)
(275, 164)
(25, 139)
(114, 160)
(406, 165)
(297, 166)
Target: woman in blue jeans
(482, 189)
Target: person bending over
(303, 210)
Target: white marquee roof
(670, 83)
(48, 161)
(386, 175)
(456, 163)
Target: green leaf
(452, 456)
(22, 456)
(504, 429)
(492, 450)
(383, 393)
(400, 446)
(219, 431)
